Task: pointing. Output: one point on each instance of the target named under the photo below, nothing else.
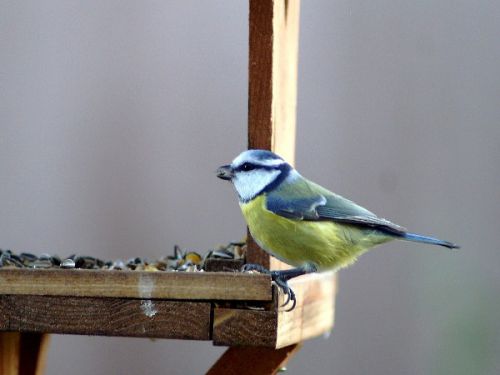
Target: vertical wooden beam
(9, 353)
(33, 348)
(253, 360)
(23, 353)
(273, 56)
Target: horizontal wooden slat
(312, 316)
(105, 316)
(137, 284)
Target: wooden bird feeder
(214, 306)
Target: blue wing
(305, 200)
(296, 208)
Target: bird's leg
(255, 267)
(281, 278)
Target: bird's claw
(280, 279)
(282, 282)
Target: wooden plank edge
(137, 284)
(236, 327)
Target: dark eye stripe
(245, 167)
(249, 166)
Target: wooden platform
(226, 308)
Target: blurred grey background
(115, 114)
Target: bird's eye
(247, 167)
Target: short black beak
(225, 172)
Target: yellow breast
(326, 244)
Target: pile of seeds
(179, 261)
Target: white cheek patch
(249, 184)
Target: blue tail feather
(430, 240)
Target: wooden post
(23, 353)
(274, 40)
(272, 97)
(253, 360)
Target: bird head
(254, 172)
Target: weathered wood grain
(235, 327)
(252, 360)
(137, 284)
(273, 56)
(106, 316)
(260, 71)
(312, 316)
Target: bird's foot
(281, 278)
(282, 282)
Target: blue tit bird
(302, 223)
